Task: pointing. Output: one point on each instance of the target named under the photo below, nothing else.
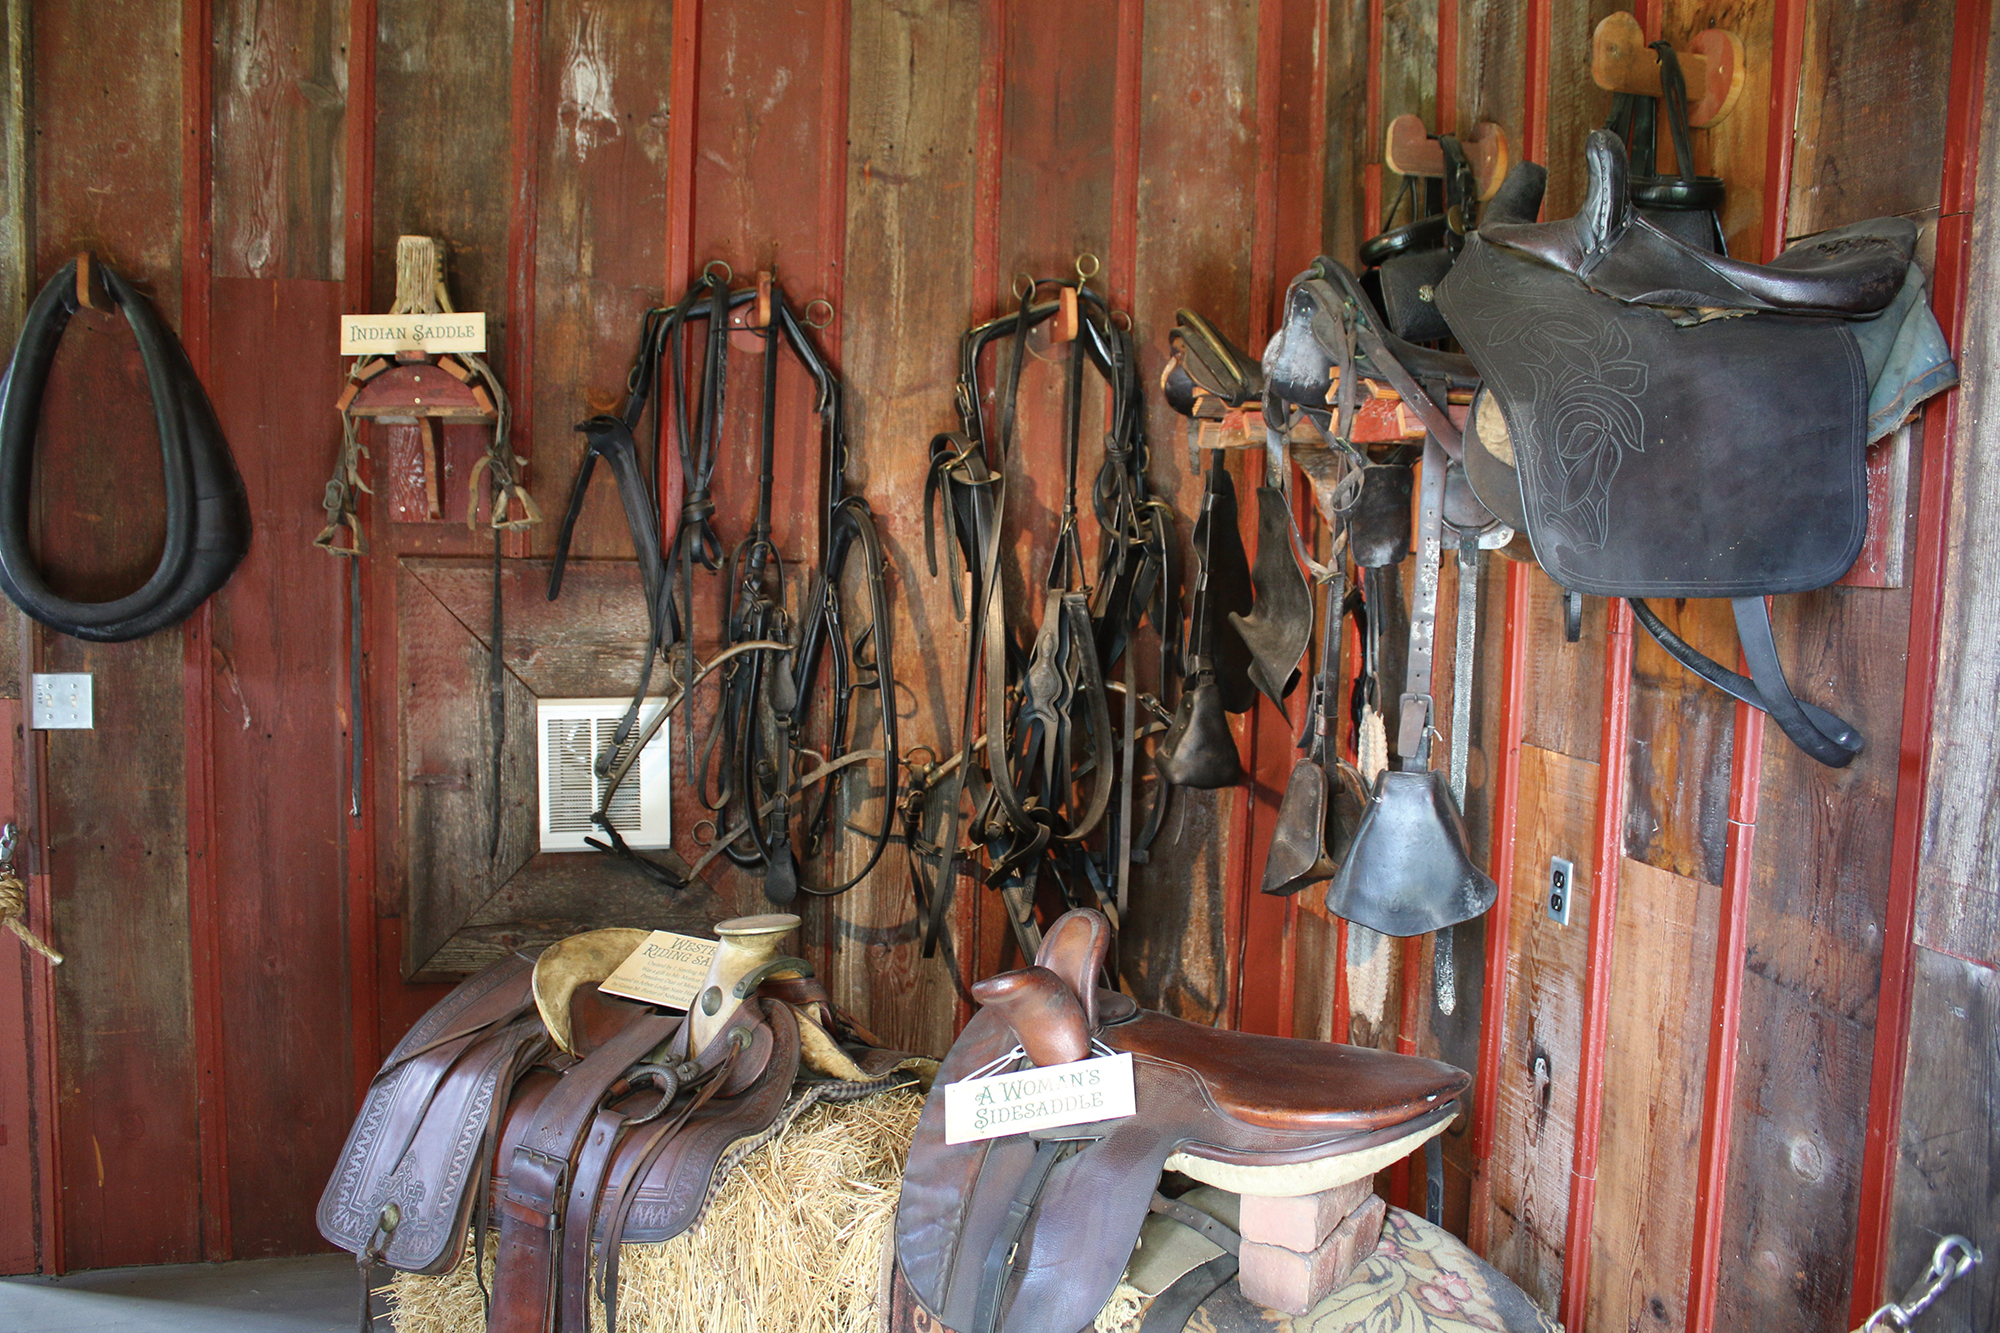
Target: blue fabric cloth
(1905, 356)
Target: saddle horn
(749, 943)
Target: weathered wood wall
(1693, 1101)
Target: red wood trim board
(1611, 772)
(204, 892)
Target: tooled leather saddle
(1669, 422)
(610, 1131)
(1030, 1232)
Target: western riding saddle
(581, 1118)
(1670, 422)
(1030, 1232)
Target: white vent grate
(574, 732)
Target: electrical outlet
(1562, 884)
(62, 702)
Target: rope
(14, 910)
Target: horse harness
(1056, 767)
(207, 512)
(778, 657)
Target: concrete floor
(315, 1294)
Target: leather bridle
(1057, 776)
(778, 660)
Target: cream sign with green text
(1045, 1098)
(369, 335)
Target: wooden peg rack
(1410, 151)
(1622, 62)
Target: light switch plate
(62, 702)
(1562, 886)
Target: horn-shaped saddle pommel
(1074, 950)
(1042, 1010)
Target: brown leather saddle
(1030, 1233)
(580, 1119)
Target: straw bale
(793, 1240)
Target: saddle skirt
(1031, 1232)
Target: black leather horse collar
(208, 515)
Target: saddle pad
(1716, 459)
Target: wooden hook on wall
(1621, 62)
(90, 288)
(1410, 151)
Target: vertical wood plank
(280, 771)
(758, 176)
(441, 168)
(1682, 742)
(1948, 1154)
(441, 147)
(1942, 1172)
(1535, 1117)
(1565, 680)
(1872, 123)
(1653, 1074)
(280, 134)
(106, 173)
(1816, 919)
(910, 187)
(22, 1072)
(1575, 104)
(1492, 70)
(601, 207)
(1343, 224)
(1819, 882)
(1409, 82)
(21, 1223)
(1198, 155)
(1736, 147)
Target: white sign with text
(1045, 1098)
(367, 335)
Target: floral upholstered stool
(1418, 1279)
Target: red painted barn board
(280, 769)
(106, 174)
